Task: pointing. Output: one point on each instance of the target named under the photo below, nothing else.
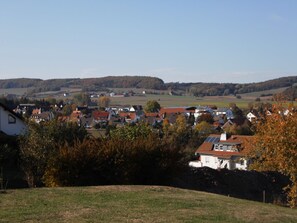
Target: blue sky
(177, 40)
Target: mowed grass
(133, 204)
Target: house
(152, 118)
(129, 117)
(172, 111)
(225, 112)
(200, 110)
(101, 117)
(221, 151)
(24, 108)
(10, 122)
(42, 116)
(75, 117)
(135, 108)
(252, 116)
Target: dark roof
(12, 112)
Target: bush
(114, 161)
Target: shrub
(144, 160)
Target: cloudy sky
(176, 40)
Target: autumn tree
(204, 128)
(207, 117)
(67, 110)
(104, 101)
(275, 147)
(81, 99)
(41, 142)
(152, 106)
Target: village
(227, 131)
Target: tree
(152, 106)
(204, 128)
(237, 112)
(82, 99)
(207, 117)
(67, 110)
(275, 148)
(41, 143)
(104, 101)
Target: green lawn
(133, 204)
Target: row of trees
(63, 154)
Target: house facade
(10, 122)
(221, 151)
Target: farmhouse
(10, 122)
(221, 151)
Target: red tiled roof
(36, 111)
(100, 115)
(127, 115)
(172, 110)
(154, 114)
(244, 141)
(131, 116)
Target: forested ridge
(146, 82)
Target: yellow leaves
(275, 147)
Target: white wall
(244, 165)
(216, 163)
(16, 128)
(210, 161)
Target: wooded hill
(196, 89)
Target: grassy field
(162, 97)
(133, 204)
(171, 101)
(17, 91)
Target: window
(241, 162)
(11, 119)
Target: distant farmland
(163, 97)
(171, 101)
(16, 91)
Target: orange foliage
(275, 147)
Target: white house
(225, 111)
(220, 151)
(200, 110)
(10, 122)
(251, 116)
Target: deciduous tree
(275, 147)
(104, 101)
(152, 106)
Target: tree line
(145, 82)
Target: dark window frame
(11, 119)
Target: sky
(237, 41)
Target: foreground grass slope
(133, 204)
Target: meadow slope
(133, 204)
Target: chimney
(223, 136)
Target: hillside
(104, 83)
(133, 204)
(290, 93)
(86, 83)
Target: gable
(10, 122)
